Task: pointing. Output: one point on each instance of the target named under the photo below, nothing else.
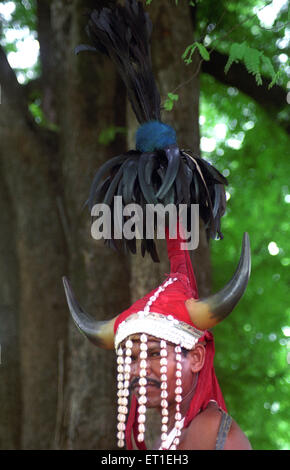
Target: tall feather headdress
(157, 171)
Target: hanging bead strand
(120, 393)
(178, 398)
(142, 400)
(164, 393)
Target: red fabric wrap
(180, 261)
(172, 302)
(207, 387)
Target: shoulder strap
(224, 428)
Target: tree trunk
(170, 38)
(58, 390)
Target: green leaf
(169, 102)
(186, 56)
(109, 134)
(188, 53)
(253, 60)
(203, 51)
(237, 52)
(173, 96)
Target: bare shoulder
(236, 439)
(203, 430)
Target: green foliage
(227, 22)
(169, 102)
(25, 14)
(39, 117)
(189, 51)
(108, 135)
(253, 59)
(23, 18)
(252, 345)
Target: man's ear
(197, 358)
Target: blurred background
(61, 116)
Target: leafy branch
(189, 51)
(253, 60)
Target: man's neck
(184, 405)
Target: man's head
(160, 374)
(191, 363)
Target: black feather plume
(165, 174)
(124, 35)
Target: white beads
(143, 338)
(142, 373)
(178, 399)
(123, 377)
(129, 345)
(140, 437)
(142, 399)
(124, 362)
(163, 436)
(141, 419)
(141, 427)
(156, 294)
(121, 426)
(142, 381)
(164, 403)
(164, 394)
(142, 390)
(143, 364)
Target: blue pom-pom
(154, 135)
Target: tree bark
(10, 388)
(64, 391)
(91, 99)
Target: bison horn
(206, 313)
(101, 333)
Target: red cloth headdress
(171, 303)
